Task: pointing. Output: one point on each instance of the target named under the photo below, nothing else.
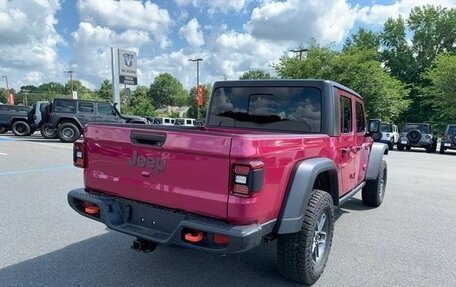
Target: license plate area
(150, 216)
(403, 142)
(447, 144)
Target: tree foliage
(192, 102)
(256, 75)
(105, 91)
(442, 91)
(167, 90)
(356, 68)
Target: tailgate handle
(147, 139)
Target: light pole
(299, 52)
(197, 60)
(7, 87)
(70, 72)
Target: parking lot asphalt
(409, 241)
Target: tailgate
(180, 169)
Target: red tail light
(247, 178)
(79, 154)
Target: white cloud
(294, 20)
(28, 40)
(192, 33)
(378, 14)
(214, 6)
(235, 53)
(92, 53)
(126, 14)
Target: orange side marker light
(92, 210)
(194, 238)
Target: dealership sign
(128, 67)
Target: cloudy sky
(40, 39)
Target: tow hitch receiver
(142, 245)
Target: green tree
(3, 96)
(193, 103)
(142, 106)
(363, 39)
(105, 91)
(356, 68)
(397, 54)
(51, 88)
(434, 32)
(442, 91)
(167, 90)
(256, 75)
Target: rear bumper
(167, 226)
(448, 145)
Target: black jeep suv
(68, 117)
(417, 135)
(448, 139)
(16, 118)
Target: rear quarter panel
(280, 154)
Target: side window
(65, 106)
(360, 120)
(85, 107)
(345, 115)
(104, 108)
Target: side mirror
(374, 126)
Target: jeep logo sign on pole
(128, 67)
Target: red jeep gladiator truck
(271, 162)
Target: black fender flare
(298, 193)
(20, 118)
(375, 160)
(70, 119)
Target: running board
(352, 193)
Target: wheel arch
(313, 173)
(70, 120)
(16, 119)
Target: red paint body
(197, 176)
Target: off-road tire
(45, 131)
(374, 190)
(408, 148)
(400, 147)
(295, 256)
(20, 128)
(390, 146)
(434, 147)
(3, 130)
(68, 132)
(429, 148)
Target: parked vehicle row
(416, 135)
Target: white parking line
(47, 144)
(5, 154)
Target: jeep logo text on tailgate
(156, 164)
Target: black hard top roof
(283, 82)
(88, 101)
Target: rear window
(386, 128)
(451, 130)
(271, 108)
(421, 127)
(65, 106)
